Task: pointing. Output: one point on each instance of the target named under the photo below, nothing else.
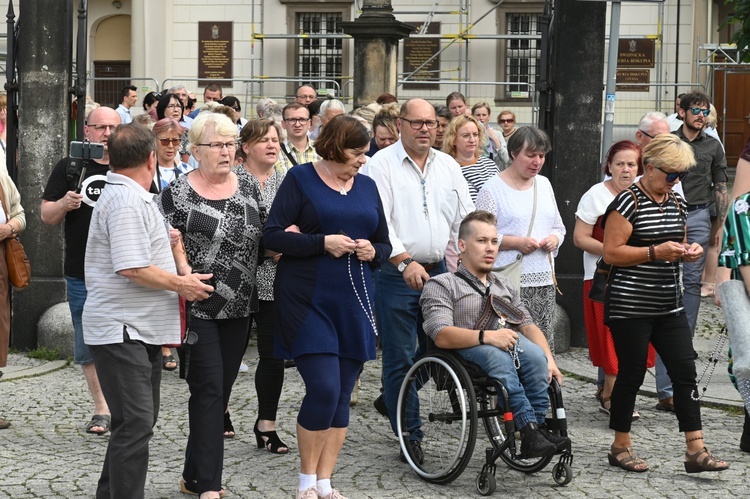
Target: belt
(430, 266)
(694, 207)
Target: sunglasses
(511, 120)
(695, 111)
(672, 176)
(166, 142)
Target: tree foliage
(741, 18)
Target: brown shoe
(629, 462)
(703, 460)
(666, 404)
(4, 423)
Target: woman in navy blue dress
(329, 226)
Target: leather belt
(694, 207)
(430, 266)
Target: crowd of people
(321, 229)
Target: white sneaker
(243, 367)
(311, 493)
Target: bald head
(100, 124)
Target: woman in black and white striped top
(644, 238)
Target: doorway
(107, 92)
(733, 88)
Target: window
(319, 57)
(522, 56)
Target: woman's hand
(525, 245)
(692, 252)
(338, 245)
(5, 232)
(670, 251)
(293, 228)
(364, 249)
(549, 243)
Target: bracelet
(481, 336)
(651, 253)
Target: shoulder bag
(512, 271)
(19, 267)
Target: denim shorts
(76, 299)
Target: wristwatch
(404, 263)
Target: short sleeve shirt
(128, 232)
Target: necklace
(659, 205)
(217, 193)
(342, 190)
(368, 311)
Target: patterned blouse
(221, 237)
(267, 266)
(735, 249)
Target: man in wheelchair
(480, 315)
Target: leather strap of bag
(288, 154)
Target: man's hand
(504, 339)
(553, 371)
(193, 289)
(71, 201)
(415, 276)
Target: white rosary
(514, 350)
(368, 311)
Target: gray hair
(650, 119)
(530, 137)
(177, 87)
(265, 107)
(204, 122)
(334, 104)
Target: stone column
(44, 63)
(376, 34)
(575, 126)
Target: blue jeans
(527, 387)
(76, 299)
(663, 383)
(402, 338)
(698, 231)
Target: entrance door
(107, 92)
(735, 125)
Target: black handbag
(601, 281)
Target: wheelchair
(453, 396)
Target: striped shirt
(650, 288)
(735, 249)
(127, 231)
(477, 174)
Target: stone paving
(47, 454)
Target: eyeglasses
(218, 146)
(696, 111)
(166, 142)
(174, 106)
(236, 108)
(101, 128)
(292, 121)
(672, 176)
(418, 124)
(646, 134)
(509, 120)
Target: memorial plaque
(632, 76)
(214, 51)
(636, 53)
(416, 52)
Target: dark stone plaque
(636, 53)
(416, 52)
(214, 50)
(632, 76)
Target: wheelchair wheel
(437, 396)
(496, 433)
(562, 473)
(486, 483)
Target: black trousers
(670, 335)
(269, 374)
(130, 377)
(214, 362)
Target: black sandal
(228, 428)
(270, 440)
(168, 359)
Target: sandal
(270, 440)
(603, 408)
(166, 360)
(99, 421)
(228, 428)
(630, 463)
(708, 463)
(191, 488)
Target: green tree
(740, 17)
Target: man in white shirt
(132, 306)
(129, 96)
(424, 197)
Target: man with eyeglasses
(298, 147)
(424, 197)
(305, 94)
(63, 201)
(706, 184)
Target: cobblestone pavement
(46, 452)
